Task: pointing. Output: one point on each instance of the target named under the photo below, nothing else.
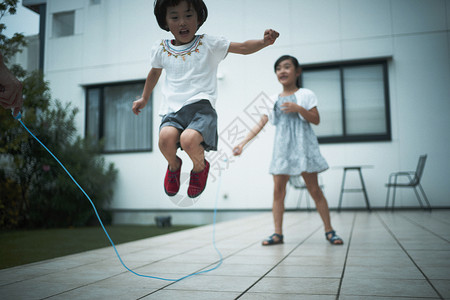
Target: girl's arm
(150, 82)
(252, 46)
(312, 115)
(254, 132)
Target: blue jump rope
(19, 118)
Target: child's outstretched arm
(254, 132)
(150, 82)
(252, 46)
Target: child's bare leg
(321, 203)
(168, 139)
(191, 140)
(279, 192)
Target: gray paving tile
(33, 289)
(424, 244)
(436, 272)
(280, 250)
(443, 287)
(374, 244)
(322, 249)
(275, 296)
(251, 259)
(385, 271)
(125, 286)
(94, 292)
(386, 287)
(313, 261)
(22, 273)
(428, 258)
(317, 286)
(175, 270)
(189, 295)
(306, 271)
(377, 253)
(252, 270)
(347, 297)
(214, 283)
(369, 261)
(194, 258)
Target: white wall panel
(314, 21)
(414, 16)
(367, 48)
(365, 18)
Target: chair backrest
(419, 170)
(297, 182)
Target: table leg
(342, 190)
(364, 189)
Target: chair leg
(393, 198)
(342, 191)
(364, 190)
(395, 190)
(300, 196)
(307, 201)
(387, 198)
(425, 196)
(418, 198)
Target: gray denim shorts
(199, 116)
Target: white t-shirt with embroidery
(191, 70)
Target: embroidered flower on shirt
(183, 52)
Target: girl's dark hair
(294, 61)
(161, 6)
(284, 57)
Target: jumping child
(189, 119)
(296, 150)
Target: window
(353, 101)
(109, 117)
(64, 24)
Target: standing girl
(190, 61)
(296, 150)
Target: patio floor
(401, 254)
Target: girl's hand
(238, 150)
(290, 107)
(138, 105)
(270, 36)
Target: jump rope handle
(18, 117)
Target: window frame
(340, 66)
(101, 120)
(55, 16)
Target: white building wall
(29, 57)
(112, 43)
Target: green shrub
(36, 191)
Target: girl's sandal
(333, 238)
(273, 240)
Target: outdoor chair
(409, 180)
(298, 184)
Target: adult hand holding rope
(10, 89)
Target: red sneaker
(172, 181)
(198, 181)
